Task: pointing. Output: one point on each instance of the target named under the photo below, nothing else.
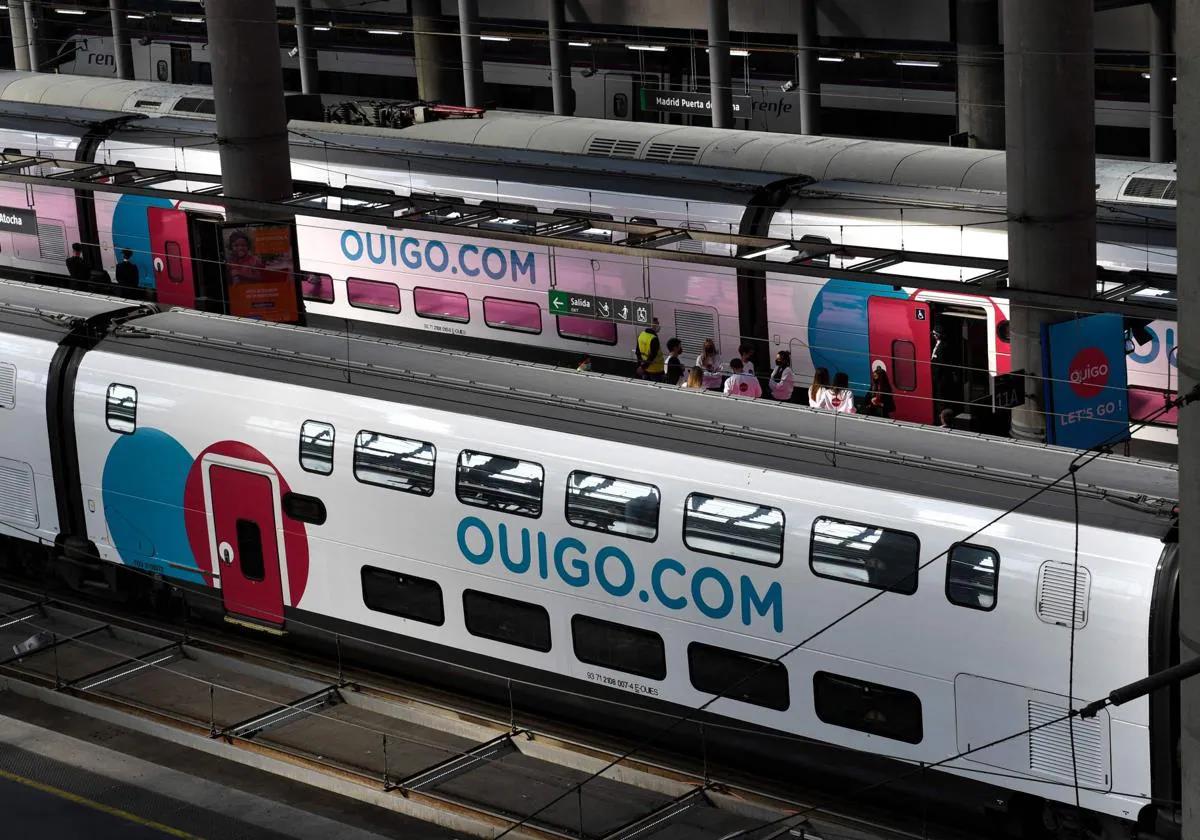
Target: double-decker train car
(820, 191)
(623, 551)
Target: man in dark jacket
(78, 268)
(127, 273)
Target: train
(621, 551)
(814, 191)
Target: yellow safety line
(98, 806)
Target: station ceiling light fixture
(645, 47)
(135, 17)
(70, 11)
(579, 43)
(740, 53)
(501, 38)
(188, 20)
(907, 62)
(834, 59)
(384, 32)
(321, 29)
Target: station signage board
(637, 312)
(1086, 391)
(690, 102)
(18, 220)
(260, 271)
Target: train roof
(50, 313)
(1116, 492)
(680, 147)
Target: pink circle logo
(1088, 372)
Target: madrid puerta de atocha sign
(640, 312)
(690, 102)
(15, 220)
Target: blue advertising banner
(1087, 399)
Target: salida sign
(1087, 390)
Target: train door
(171, 251)
(245, 541)
(181, 64)
(899, 331)
(965, 382)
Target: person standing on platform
(782, 382)
(78, 269)
(740, 383)
(127, 274)
(649, 354)
(674, 365)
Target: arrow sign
(559, 301)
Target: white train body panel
(970, 668)
(29, 508)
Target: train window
(587, 329)
(868, 707)
(403, 595)
(505, 620)
(618, 646)
(614, 505)
(250, 549)
(516, 315)
(120, 409)
(499, 483)
(174, 256)
(373, 294)
(727, 528)
(316, 447)
(865, 555)
(161, 71)
(394, 462)
(904, 365)
(317, 287)
(972, 572)
(739, 676)
(440, 305)
(303, 508)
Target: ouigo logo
(1088, 372)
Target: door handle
(225, 552)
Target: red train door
(899, 337)
(246, 542)
(171, 251)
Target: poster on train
(260, 271)
(1086, 393)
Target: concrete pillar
(430, 49)
(807, 78)
(1050, 96)
(306, 53)
(560, 67)
(980, 73)
(1162, 102)
(122, 49)
(20, 36)
(243, 40)
(472, 52)
(718, 64)
(1187, 39)
(32, 39)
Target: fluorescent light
(579, 44)
(910, 63)
(740, 53)
(320, 29)
(136, 17)
(1145, 75)
(188, 20)
(773, 249)
(384, 32)
(645, 47)
(70, 11)
(836, 59)
(500, 38)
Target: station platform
(66, 775)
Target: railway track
(447, 759)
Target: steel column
(305, 52)
(32, 41)
(1050, 96)
(560, 68)
(807, 77)
(980, 73)
(1162, 117)
(243, 39)
(122, 49)
(472, 52)
(720, 84)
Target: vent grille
(672, 153)
(1054, 594)
(692, 328)
(1050, 746)
(612, 147)
(52, 240)
(8, 385)
(18, 502)
(1151, 188)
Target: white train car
(426, 502)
